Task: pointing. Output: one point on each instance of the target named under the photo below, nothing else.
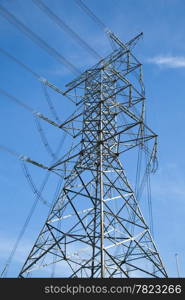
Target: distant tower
(96, 228)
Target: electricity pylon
(96, 228)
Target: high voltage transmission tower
(95, 227)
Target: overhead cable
(38, 194)
(20, 63)
(89, 12)
(57, 20)
(36, 39)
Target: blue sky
(162, 52)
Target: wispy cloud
(168, 61)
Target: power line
(37, 192)
(177, 265)
(20, 63)
(32, 184)
(20, 103)
(43, 138)
(37, 76)
(25, 106)
(17, 101)
(50, 103)
(36, 114)
(103, 26)
(97, 20)
(28, 108)
(38, 195)
(10, 151)
(36, 39)
(57, 20)
(92, 15)
(5, 270)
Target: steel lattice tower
(96, 228)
